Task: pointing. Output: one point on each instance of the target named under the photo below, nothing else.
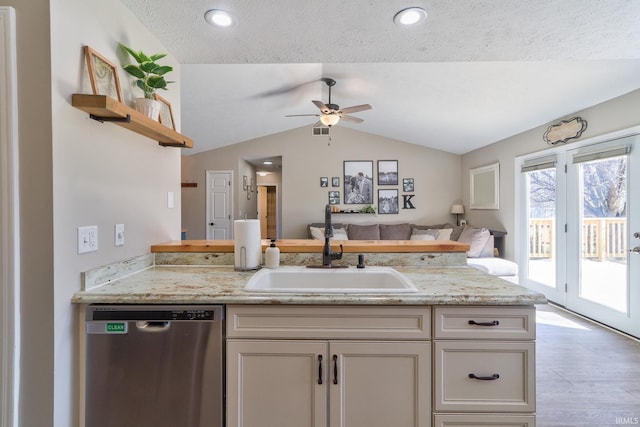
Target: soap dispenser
(272, 255)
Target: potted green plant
(150, 77)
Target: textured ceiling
(476, 72)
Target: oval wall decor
(565, 130)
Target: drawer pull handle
(494, 323)
(491, 378)
(319, 369)
(335, 369)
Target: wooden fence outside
(602, 238)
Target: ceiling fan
(332, 113)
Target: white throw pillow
(476, 238)
(417, 234)
(317, 233)
(445, 233)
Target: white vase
(149, 107)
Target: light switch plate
(170, 199)
(118, 239)
(87, 239)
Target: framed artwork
(324, 181)
(407, 185)
(166, 113)
(244, 182)
(387, 172)
(485, 187)
(253, 187)
(388, 201)
(335, 181)
(103, 75)
(358, 182)
(334, 197)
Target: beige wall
(306, 158)
(611, 116)
(75, 171)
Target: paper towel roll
(247, 244)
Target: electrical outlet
(87, 239)
(118, 239)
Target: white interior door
(219, 205)
(603, 268)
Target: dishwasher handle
(153, 326)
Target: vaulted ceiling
(475, 72)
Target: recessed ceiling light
(267, 162)
(410, 16)
(219, 18)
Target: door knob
(635, 250)
(636, 234)
(212, 223)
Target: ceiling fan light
(410, 16)
(329, 119)
(219, 18)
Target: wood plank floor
(587, 375)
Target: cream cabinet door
(379, 384)
(275, 383)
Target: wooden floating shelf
(189, 184)
(106, 109)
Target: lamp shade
(457, 209)
(329, 119)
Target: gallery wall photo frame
(324, 181)
(387, 172)
(334, 197)
(103, 74)
(358, 182)
(166, 113)
(388, 201)
(335, 181)
(484, 187)
(408, 185)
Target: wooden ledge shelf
(106, 109)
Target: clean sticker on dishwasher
(107, 328)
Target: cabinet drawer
(508, 323)
(483, 420)
(455, 362)
(356, 322)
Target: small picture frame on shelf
(388, 202)
(387, 172)
(103, 75)
(324, 181)
(407, 185)
(334, 197)
(166, 113)
(335, 181)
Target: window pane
(603, 260)
(541, 189)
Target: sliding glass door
(603, 209)
(579, 210)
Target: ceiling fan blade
(284, 89)
(355, 108)
(351, 119)
(301, 115)
(321, 105)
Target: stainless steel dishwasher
(154, 366)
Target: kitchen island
(459, 351)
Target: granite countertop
(438, 285)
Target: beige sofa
(481, 255)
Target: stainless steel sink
(376, 280)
